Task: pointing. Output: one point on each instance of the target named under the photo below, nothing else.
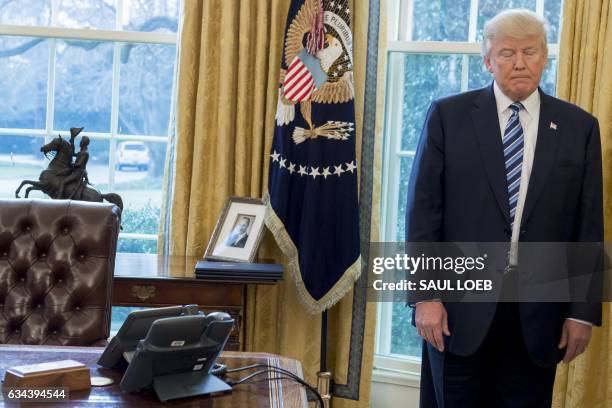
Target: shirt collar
(503, 102)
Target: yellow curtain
(583, 78)
(227, 93)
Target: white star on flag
(314, 172)
(338, 170)
(302, 171)
(350, 167)
(281, 163)
(291, 168)
(326, 172)
(274, 156)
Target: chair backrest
(57, 259)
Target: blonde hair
(514, 23)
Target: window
(433, 50)
(107, 65)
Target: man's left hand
(575, 338)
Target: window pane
(98, 14)
(83, 85)
(151, 15)
(488, 9)
(440, 21)
(549, 77)
(404, 337)
(138, 180)
(145, 93)
(26, 12)
(118, 316)
(20, 159)
(142, 203)
(405, 169)
(478, 76)
(426, 77)
(136, 246)
(23, 82)
(97, 166)
(552, 14)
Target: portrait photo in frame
(238, 232)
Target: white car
(132, 154)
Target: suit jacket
(458, 193)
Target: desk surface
(272, 393)
(151, 266)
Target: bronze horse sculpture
(56, 180)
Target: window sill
(397, 371)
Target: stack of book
(239, 272)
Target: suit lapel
(545, 154)
(486, 123)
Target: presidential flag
(312, 185)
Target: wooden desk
(271, 393)
(153, 281)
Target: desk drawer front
(210, 297)
(167, 292)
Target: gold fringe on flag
(286, 245)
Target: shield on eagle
(303, 77)
(299, 82)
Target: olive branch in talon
(331, 130)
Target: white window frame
(117, 37)
(394, 368)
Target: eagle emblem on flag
(313, 210)
(325, 77)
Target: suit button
(523, 231)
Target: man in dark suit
(239, 235)
(506, 163)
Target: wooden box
(65, 374)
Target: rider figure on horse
(78, 172)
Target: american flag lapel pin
(553, 125)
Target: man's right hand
(432, 322)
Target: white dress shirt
(529, 117)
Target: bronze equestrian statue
(65, 179)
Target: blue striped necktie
(513, 155)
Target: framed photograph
(238, 232)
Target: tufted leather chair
(56, 271)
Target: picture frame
(238, 232)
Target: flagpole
(324, 376)
(324, 341)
